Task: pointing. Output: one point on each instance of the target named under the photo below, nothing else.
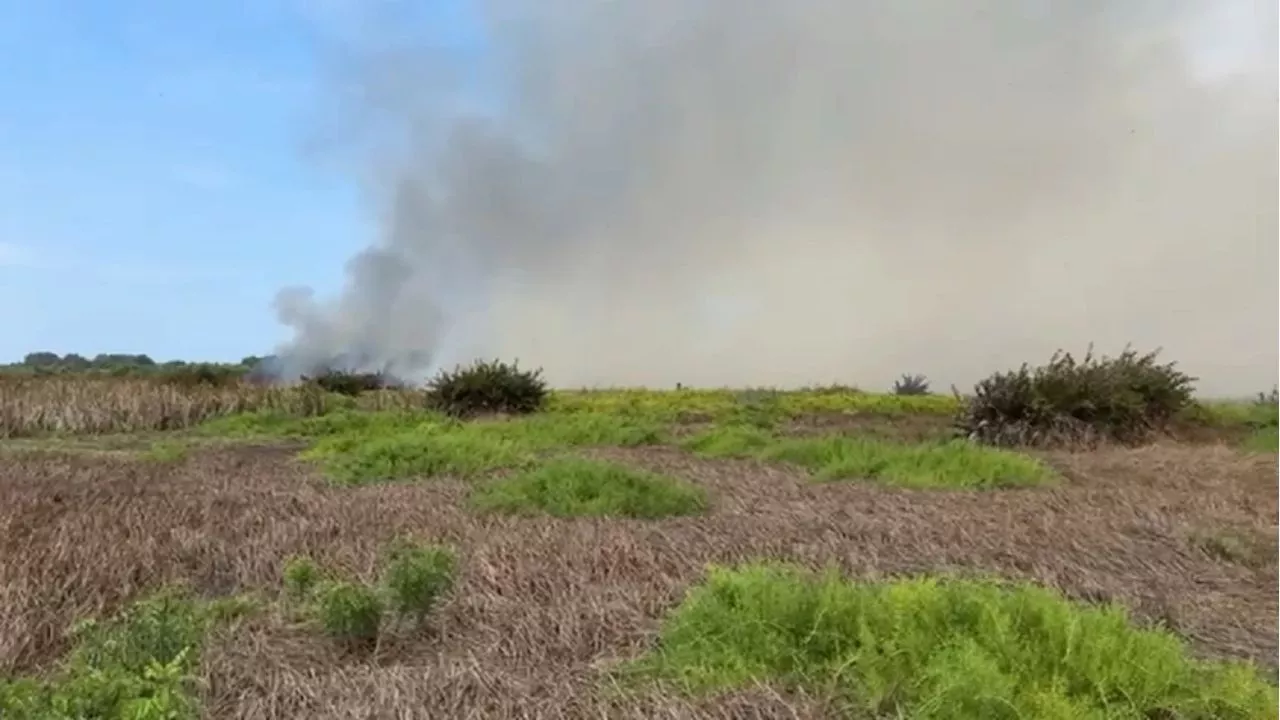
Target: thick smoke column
(781, 192)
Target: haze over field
(662, 191)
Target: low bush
(487, 387)
(1122, 399)
(923, 648)
(350, 613)
(350, 384)
(911, 385)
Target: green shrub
(301, 576)
(569, 487)
(350, 384)
(911, 385)
(417, 576)
(350, 612)
(929, 649)
(487, 387)
(1123, 399)
(139, 665)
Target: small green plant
(416, 577)
(911, 385)
(350, 613)
(1123, 399)
(934, 649)
(487, 387)
(568, 487)
(301, 576)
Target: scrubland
(1078, 539)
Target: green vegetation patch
(139, 665)
(166, 451)
(468, 449)
(569, 487)
(952, 464)
(927, 648)
(733, 405)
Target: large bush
(1122, 399)
(487, 387)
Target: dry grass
(83, 405)
(544, 604)
(1184, 534)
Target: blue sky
(156, 188)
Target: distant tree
(75, 362)
(41, 359)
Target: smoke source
(785, 192)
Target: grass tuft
(570, 487)
(926, 648)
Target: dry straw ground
(1183, 533)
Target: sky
(163, 172)
(159, 173)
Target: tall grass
(89, 405)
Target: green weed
(927, 649)
(138, 665)
(417, 576)
(350, 613)
(301, 576)
(576, 487)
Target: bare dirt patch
(542, 604)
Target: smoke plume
(787, 192)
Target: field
(251, 552)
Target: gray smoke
(785, 192)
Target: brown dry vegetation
(544, 604)
(77, 404)
(94, 515)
